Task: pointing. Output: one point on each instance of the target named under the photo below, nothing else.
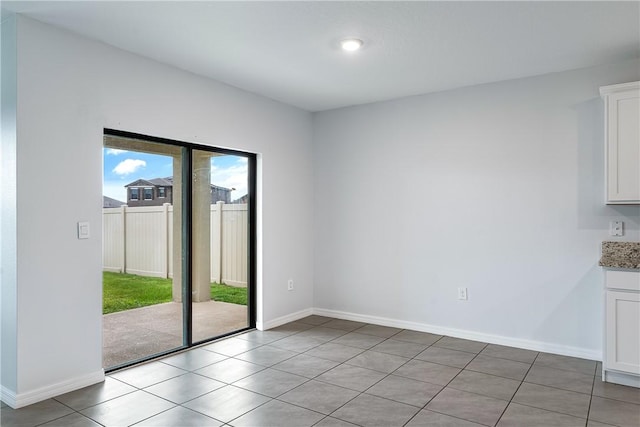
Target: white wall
(8, 353)
(69, 89)
(497, 188)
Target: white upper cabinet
(622, 133)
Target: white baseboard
(19, 400)
(263, 326)
(622, 378)
(8, 396)
(465, 334)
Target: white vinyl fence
(139, 240)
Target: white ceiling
(289, 51)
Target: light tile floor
(327, 372)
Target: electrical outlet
(616, 228)
(290, 285)
(462, 294)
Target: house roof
(162, 182)
(108, 202)
(240, 200)
(140, 183)
(220, 188)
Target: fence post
(123, 258)
(165, 238)
(216, 250)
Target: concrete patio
(133, 334)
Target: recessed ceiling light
(351, 45)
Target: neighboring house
(152, 192)
(158, 191)
(220, 194)
(108, 202)
(242, 200)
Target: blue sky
(122, 167)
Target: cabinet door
(623, 147)
(623, 331)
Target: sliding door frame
(187, 229)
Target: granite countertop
(621, 255)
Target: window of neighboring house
(148, 193)
(161, 192)
(135, 194)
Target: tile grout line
(446, 385)
(409, 359)
(161, 412)
(48, 421)
(204, 376)
(310, 379)
(305, 382)
(555, 388)
(593, 384)
(360, 393)
(516, 392)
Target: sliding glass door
(177, 245)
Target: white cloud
(233, 176)
(115, 151)
(128, 166)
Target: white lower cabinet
(621, 362)
(623, 331)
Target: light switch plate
(83, 230)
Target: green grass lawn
(225, 293)
(126, 291)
